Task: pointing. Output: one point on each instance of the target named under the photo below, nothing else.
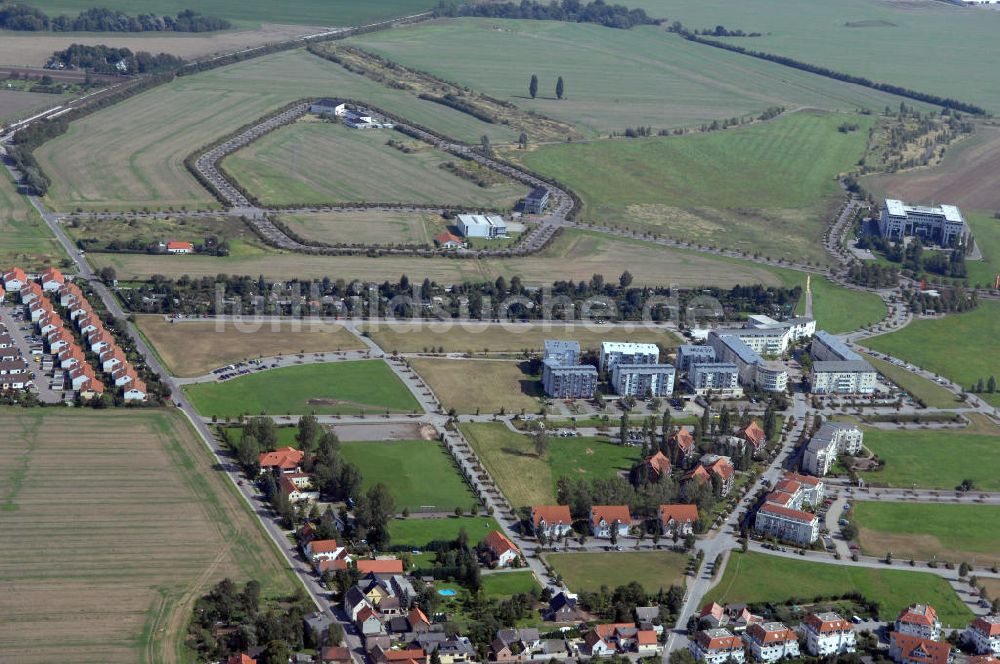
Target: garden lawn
(756, 577)
(769, 189)
(420, 474)
(934, 459)
(588, 572)
(501, 585)
(958, 533)
(961, 347)
(474, 386)
(838, 309)
(418, 533)
(525, 479)
(333, 388)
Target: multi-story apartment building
(716, 646)
(689, 354)
(623, 352)
(837, 369)
(782, 517)
(772, 641)
(826, 347)
(568, 381)
(983, 634)
(827, 634)
(797, 328)
(942, 224)
(717, 377)
(640, 380)
(563, 351)
(909, 649)
(753, 369)
(919, 620)
(832, 440)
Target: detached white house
(604, 518)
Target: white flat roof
(481, 220)
(628, 347)
(898, 208)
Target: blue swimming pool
(447, 592)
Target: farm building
(448, 241)
(174, 247)
(478, 225)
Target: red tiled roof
(918, 614)
(327, 565)
(609, 514)
(15, 273)
(659, 463)
(499, 543)
(697, 473)
(607, 630)
(771, 633)
(712, 609)
(389, 566)
(914, 648)
(802, 479)
(447, 237)
(52, 274)
(241, 659)
(180, 245)
(335, 653)
(753, 434)
(417, 616)
(323, 546)
(989, 625)
(645, 637)
(285, 458)
(788, 513)
(684, 440)
(725, 641)
(679, 512)
(366, 613)
(723, 468)
(827, 622)
(551, 514)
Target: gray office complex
(568, 381)
(943, 224)
(641, 380)
(689, 354)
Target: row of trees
(572, 11)
(103, 59)
(100, 19)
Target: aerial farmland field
(143, 527)
(312, 162)
(26, 240)
(613, 78)
(366, 227)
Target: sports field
(526, 479)
(957, 533)
(930, 344)
(934, 459)
(347, 388)
(589, 571)
(194, 348)
(497, 384)
(311, 162)
(613, 78)
(474, 337)
(132, 154)
(756, 577)
(27, 242)
(255, 12)
(572, 255)
(768, 189)
(418, 533)
(113, 525)
(369, 227)
(837, 309)
(930, 393)
(420, 473)
(884, 41)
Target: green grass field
(956, 346)
(884, 41)
(986, 229)
(418, 533)
(132, 154)
(420, 473)
(526, 479)
(370, 227)
(767, 189)
(930, 393)
(969, 533)
(590, 571)
(613, 78)
(327, 389)
(755, 577)
(257, 12)
(27, 242)
(506, 584)
(934, 459)
(839, 309)
(312, 162)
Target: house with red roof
(32, 293)
(52, 280)
(604, 518)
(827, 633)
(502, 551)
(709, 466)
(449, 241)
(684, 441)
(285, 459)
(380, 566)
(175, 247)
(242, 658)
(658, 465)
(717, 645)
(70, 357)
(911, 649)
(135, 391)
(335, 655)
(369, 622)
(552, 521)
(678, 518)
(124, 375)
(112, 358)
(771, 641)
(297, 487)
(14, 279)
(983, 634)
(919, 620)
(754, 436)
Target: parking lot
(31, 345)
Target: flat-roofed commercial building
(941, 224)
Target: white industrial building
(641, 380)
(479, 225)
(942, 224)
(832, 440)
(613, 352)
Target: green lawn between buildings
(526, 479)
(505, 584)
(957, 346)
(934, 459)
(418, 533)
(969, 533)
(756, 577)
(838, 309)
(340, 388)
(653, 570)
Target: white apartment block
(722, 376)
(772, 641)
(798, 328)
(787, 524)
(641, 380)
(753, 370)
(716, 646)
(615, 352)
(919, 620)
(832, 440)
(842, 377)
(827, 348)
(983, 634)
(942, 224)
(690, 354)
(827, 634)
